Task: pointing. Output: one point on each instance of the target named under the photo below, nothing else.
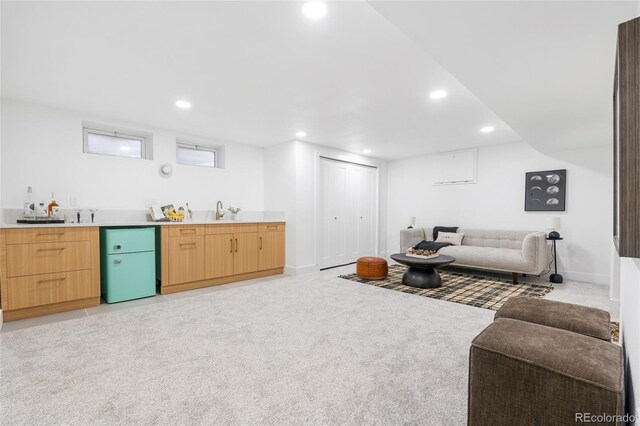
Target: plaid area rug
(467, 289)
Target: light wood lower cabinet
(219, 253)
(271, 246)
(48, 270)
(245, 256)
(186, 259)
(219, 250)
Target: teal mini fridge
(128, 263)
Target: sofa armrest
(410, 237)
(535, 250)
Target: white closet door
(346, 212)
(339, 253)
(366, 212)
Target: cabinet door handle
(236, 245)
(49, 234)
(51, 249)
(188, 231)
(187, 244)
(117, 261)
(260, 243)
(51, 280)
(231, 244)
(117, 247)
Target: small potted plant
(234, 211)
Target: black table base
(422, 278)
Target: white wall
(496, 201)
(291, 185)
(42, 148)
(630, 326)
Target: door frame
(376, 193)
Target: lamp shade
(553, 223)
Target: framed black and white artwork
(545, 191)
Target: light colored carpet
(298, 350)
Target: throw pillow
(423, 245)
(454, 238)
(438, 229)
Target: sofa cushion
(438, 229)
(579, 319)
(489, 258)
(524, 373)
(494, 238)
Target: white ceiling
(258, 72)
(545, 67)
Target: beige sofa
(518, 252)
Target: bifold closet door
(347, 212)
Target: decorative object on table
(41, 211)
(78, 211)
(234, 212)
(372, 268)
(53, 209)
(545, 191)
(29, 207)
(93, 214)
(190, 212)
(421, 254)
(166, 210)
(412, 222)
(553, 224)
(166, 170)
(175, 216)
(555, 278)
(39, 221)
(157, 215)
(422, 273)
(467, 289)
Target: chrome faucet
(219, 206)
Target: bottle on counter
(29, 210)
(53, 209)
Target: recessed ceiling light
(301, 134)
(183, 104)
(487, 129)
(438, 94)
(314, 9)
(366, 151)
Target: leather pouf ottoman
(372, 268)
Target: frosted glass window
(196, 155)
(106, 142)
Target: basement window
(197, 155)
(119, 143)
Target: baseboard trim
(54, 308)
(585, 277)
(175, 288)
(299, 270)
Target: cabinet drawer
(48, 235)
(271, 227)
(33, 259)
(186, 259)
(182, 231)
(127, 240)
(219, 229)
(243, 228)
(24, 292)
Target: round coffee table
(422, 272)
